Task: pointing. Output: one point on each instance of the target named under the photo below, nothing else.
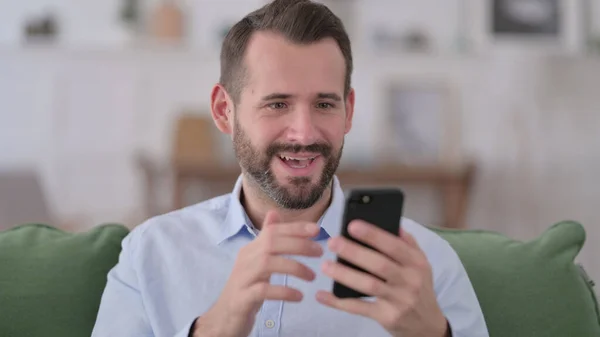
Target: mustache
(320, 148)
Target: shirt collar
(237, 222)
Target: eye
(277, 105)
(324, 105)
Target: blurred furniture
(22, 199)
(194, 140)
(454, 184)
(167, 22)
(193, 144)
(194, 160)
(531, 289)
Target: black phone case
(383, 209)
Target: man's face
(291, 119)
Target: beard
(302, 193)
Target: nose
(302, 128)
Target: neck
(257, 204)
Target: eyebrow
(331, 96)
(326, 95)
(276, 96)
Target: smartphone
(381, 207)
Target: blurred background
(485, 111)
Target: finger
(271, 217)
(384, 312)
(406, 236)
(350, 305)
(391, 245)
(282, 265)
(286, 245)
(300, 229)
(265, 291)
(358, 280)
(366, 258)
(283, 293)
(262, 267)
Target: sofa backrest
(529, 289)
(51, 281)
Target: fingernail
(317, 248)
(326, 265)
(357, 228)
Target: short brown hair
(300, 21)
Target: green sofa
(51, 281)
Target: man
(260, 261)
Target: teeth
(292, 158)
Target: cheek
(334, 132)
(263, 134)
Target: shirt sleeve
(121, 311)
(457, 297)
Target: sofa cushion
(51, 281)
(533, 288)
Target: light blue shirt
(172, 269)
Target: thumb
(271, 218)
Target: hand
(405, 302)
(248, 286)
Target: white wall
(80, 111)
(98, 24)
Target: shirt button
(270, 323)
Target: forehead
(274, 63)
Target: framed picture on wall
(556, 26)
(527, 18)
(422, 124)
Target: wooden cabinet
(453, 184)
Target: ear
(221, 107)
(349, 110)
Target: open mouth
(297, 163)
